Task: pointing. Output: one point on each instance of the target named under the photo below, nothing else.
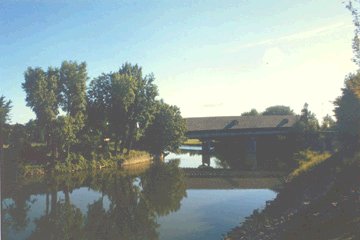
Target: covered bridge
(251, 134)
(220, 127)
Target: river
(151, 202)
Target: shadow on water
(268, 153)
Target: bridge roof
(239, 122)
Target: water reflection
(271, 153)
(126, 207)
(150, 202)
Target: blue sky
(209, 57)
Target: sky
(210, 58)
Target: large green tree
(5, 107)
(43, 96)
(98, 102)
(167, 131)
(73, 77)
(347, 106)
(347, 112)
(140, 111)
(121, 104)
(123, 94)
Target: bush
(307, 160)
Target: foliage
(76, 162)
(35, 133)
(356, 41)
(123, 93)
(43, 96)
(252, 112)
(307, 160)
(347, 112)
(307, 129)
(98, 104)
(142, 108)
(328, 123)
(278, 110)
(5, 107)
(73, 77)
(167, 131)
(47, 91)
(118, 107)
(122, 105)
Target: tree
(5, 107)
(328, 122)
(347, 106)
(167, 131)
(141, 109)
(122, 103)
(307, 129)
(98, 102)
(356, 40)
(278, 110)
(347, 112)
(253, 112)
(73, 77)
(123, 94)
(43, 96)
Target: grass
(192, 142)
(76, 162)
(307, 161)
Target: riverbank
(322, 203)
(76, 163)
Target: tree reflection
(128, 216)
(127, 208)
(15, 213)
(64, 221)
(164, 187)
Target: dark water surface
(150, 202)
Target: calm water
(140, 204)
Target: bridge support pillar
(251, 152)
(206, 152)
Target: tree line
(116, 112)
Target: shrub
(307, 160)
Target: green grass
(76, 162)
(192, 142)
(307, 161)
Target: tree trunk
(47, 204)
(53, 202)
(67, 195)
(130, 138)
(68, 151)
(116, 142)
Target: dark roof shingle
(240, 122)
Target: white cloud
(292, 37)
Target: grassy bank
(76, 162)
(321, 200)
(192, 142)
